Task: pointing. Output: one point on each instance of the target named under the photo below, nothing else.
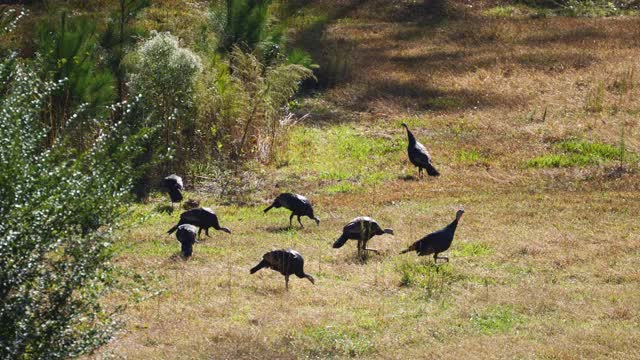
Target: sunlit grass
(471, 157)
(328, 341)
(578, 153)
(472, 249)
(340, 154)
(497, 319)
(534, 258)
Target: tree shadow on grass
(418, 96)
(575, 37)
(364, 258)
(265, 287)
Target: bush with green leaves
(248, 24)
(70, 54)
(119, 37)
(58, 207)
(246, 105)
(163, 73)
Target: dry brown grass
(544, 264)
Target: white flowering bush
(164, 74)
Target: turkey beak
(317, 221)
(313, 281)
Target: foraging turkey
(437, 241)
(173, 184)
(286, 262)
(186, 234)
(362, 229)
(418, 155)
(298, 204)
(204, 218)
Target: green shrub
(248, 24)
(70, 55)
(301, 57)
(245, 105)
(164, 74)
(57, 209)
(119, 37)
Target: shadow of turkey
(164, 209)
(280, 229)
(179, 257)
(366, 257)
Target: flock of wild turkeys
(290, 262)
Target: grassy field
(534, 124)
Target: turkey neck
(412, 139)
(453, 226)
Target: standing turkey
(186, 234)
(419, 156)
(298, 204)
(436, 242)
(286, 262)
(362, 229)
(173, 184)
(204, 218)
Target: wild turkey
(298, 204)
(173, 184)
(204, 218)
(186, 234)
(362, 229)
(286, 262)
(436, 242)
(418, 155)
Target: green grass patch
(342, 153)
(334, 175)
(427, 275)
(494, 320)
(471, 157)
(444, 103)
(164, 248)
(577, 153)
(306, 19)
(329, 341)
(341, 188)
(154, 248)
(413, 123)
(472, 249)
(501, 11)
(241, 214)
